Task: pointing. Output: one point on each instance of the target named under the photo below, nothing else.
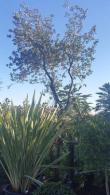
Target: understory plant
(54, 188)
(25, 141)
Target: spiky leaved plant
(26, 138)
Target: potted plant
(25, 141)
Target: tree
(42, 55)
(76, 115)
(103, 103)
(94, 146)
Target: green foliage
(53, 188)
(103, 102)
(94, 143)
(25, 141)
(4, 108)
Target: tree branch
(52, 85)
(71, 85)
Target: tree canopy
(42, 55)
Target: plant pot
(7, 191)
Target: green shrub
(53, 188)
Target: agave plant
(26, 138)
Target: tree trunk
(58, 153)
(71, 163)
(106, 183)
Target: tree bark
(106, 183)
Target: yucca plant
(25, 141)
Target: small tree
(94, 146)
(103, 102)
(76, 115)
(42, 55)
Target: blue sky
(98, 14)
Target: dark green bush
(53, 188)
